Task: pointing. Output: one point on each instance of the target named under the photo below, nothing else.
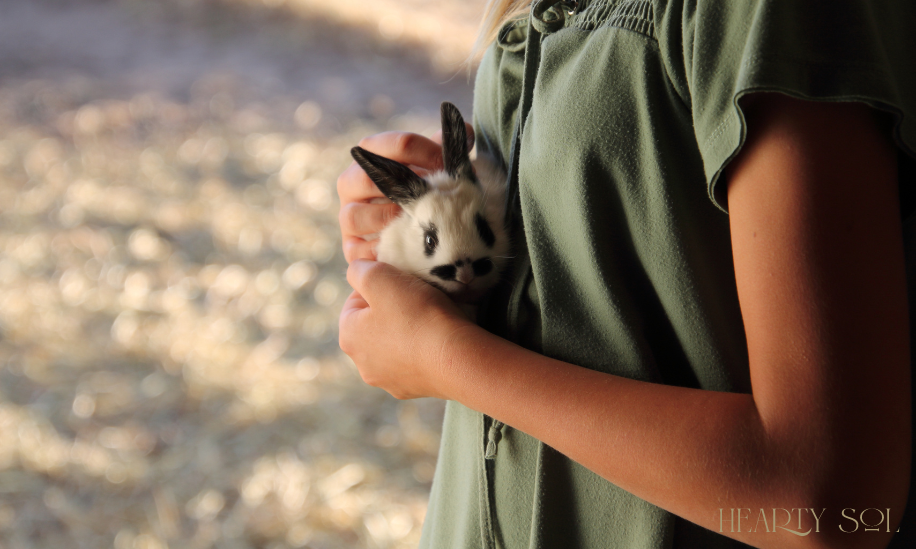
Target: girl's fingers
(374, 280)
(355, 302)
(359, 274)
(359, 248)
(354, 185)
(412, 149)
(359, 219)
(405, 147)
(354, 308)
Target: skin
(817, 247)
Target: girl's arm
(819, 265)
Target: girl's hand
(394, 327)
(364, 211)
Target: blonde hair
(496, 14)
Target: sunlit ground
(171, 273)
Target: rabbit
(451, 231)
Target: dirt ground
(171, 273)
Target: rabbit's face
(455, 243)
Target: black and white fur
(451, 230)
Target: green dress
(615, 119)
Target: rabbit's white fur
(451, 206)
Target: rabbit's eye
(430, 240)
(484, 230)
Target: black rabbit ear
(395, 180)
(455, 143)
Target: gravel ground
(171, 274)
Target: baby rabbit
(451, 230)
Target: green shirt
(624, 264)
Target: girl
(704, 339)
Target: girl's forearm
(689, 451)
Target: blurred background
(171, 272)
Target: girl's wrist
(455, 339)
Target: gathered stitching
(634, 15)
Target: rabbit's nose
(465, 273)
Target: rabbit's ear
(395, 180)
(455, 143)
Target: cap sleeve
(716, 51)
